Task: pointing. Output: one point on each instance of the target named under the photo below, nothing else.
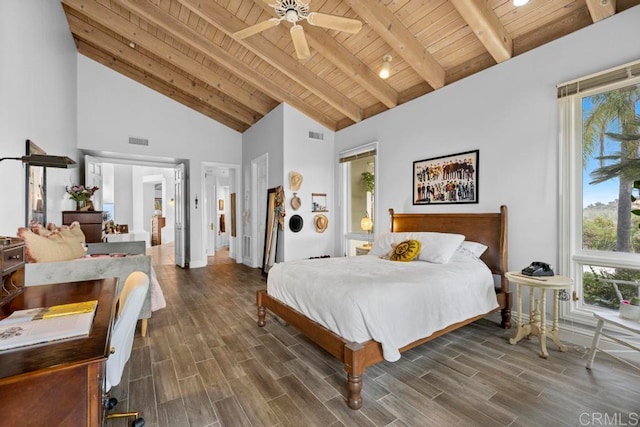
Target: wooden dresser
(157, 222)
(12, 266)
(90, 222)
(60, 383)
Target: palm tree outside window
(605, 231)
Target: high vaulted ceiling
(184, 49)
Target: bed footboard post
(262, 312)
(354, 385)
(354, 365)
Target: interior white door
(180, 215)
(210, 181)
(93, 178)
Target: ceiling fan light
(291, 16)
(385, 70)
(519, 3)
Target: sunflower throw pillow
(407, 250)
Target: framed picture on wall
(36, 189)
(233, 214)
(450, 179)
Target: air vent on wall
(316, 136)
(138, 141)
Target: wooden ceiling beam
(486, 26)
(398, 37)
(356, 70)
(227, 22)
(600, 9)
(567, 24)
(131, 32)
(152, 83)
(215, 53)
(322, 42)
(124, 52)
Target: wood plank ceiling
(184, 49)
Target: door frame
(133, 160)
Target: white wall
(37, 102)
(123, 195)
(111, 108)
(265, 136)
(283, 134)
(510, 113)
(315, 160)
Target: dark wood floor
(206, 363)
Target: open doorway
(221, 183)
(139, 201)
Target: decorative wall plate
(295, 202)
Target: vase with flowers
(81, 194)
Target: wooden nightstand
(363, 250)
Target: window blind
(362, 155)
(603, 78)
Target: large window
(600, 222)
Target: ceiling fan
(293, 11)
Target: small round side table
(537, 317)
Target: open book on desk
(49, 312)
(20, 334)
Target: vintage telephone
(538, 268)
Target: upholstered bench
(102, 261)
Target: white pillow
(472, 249)
(436, 247)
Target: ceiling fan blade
(300, 42)
(333, 22)
(255, 29)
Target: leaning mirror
(36, 189)
(271, 233)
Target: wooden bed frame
(489, 229)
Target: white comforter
(394, 303)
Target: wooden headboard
(487, 228)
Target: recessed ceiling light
(132, 45)
(518, 3)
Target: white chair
(129, 306)
(613, 319)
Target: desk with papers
(62, 380)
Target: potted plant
(630, 309)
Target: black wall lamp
(44, 160)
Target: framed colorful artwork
(447, 179)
